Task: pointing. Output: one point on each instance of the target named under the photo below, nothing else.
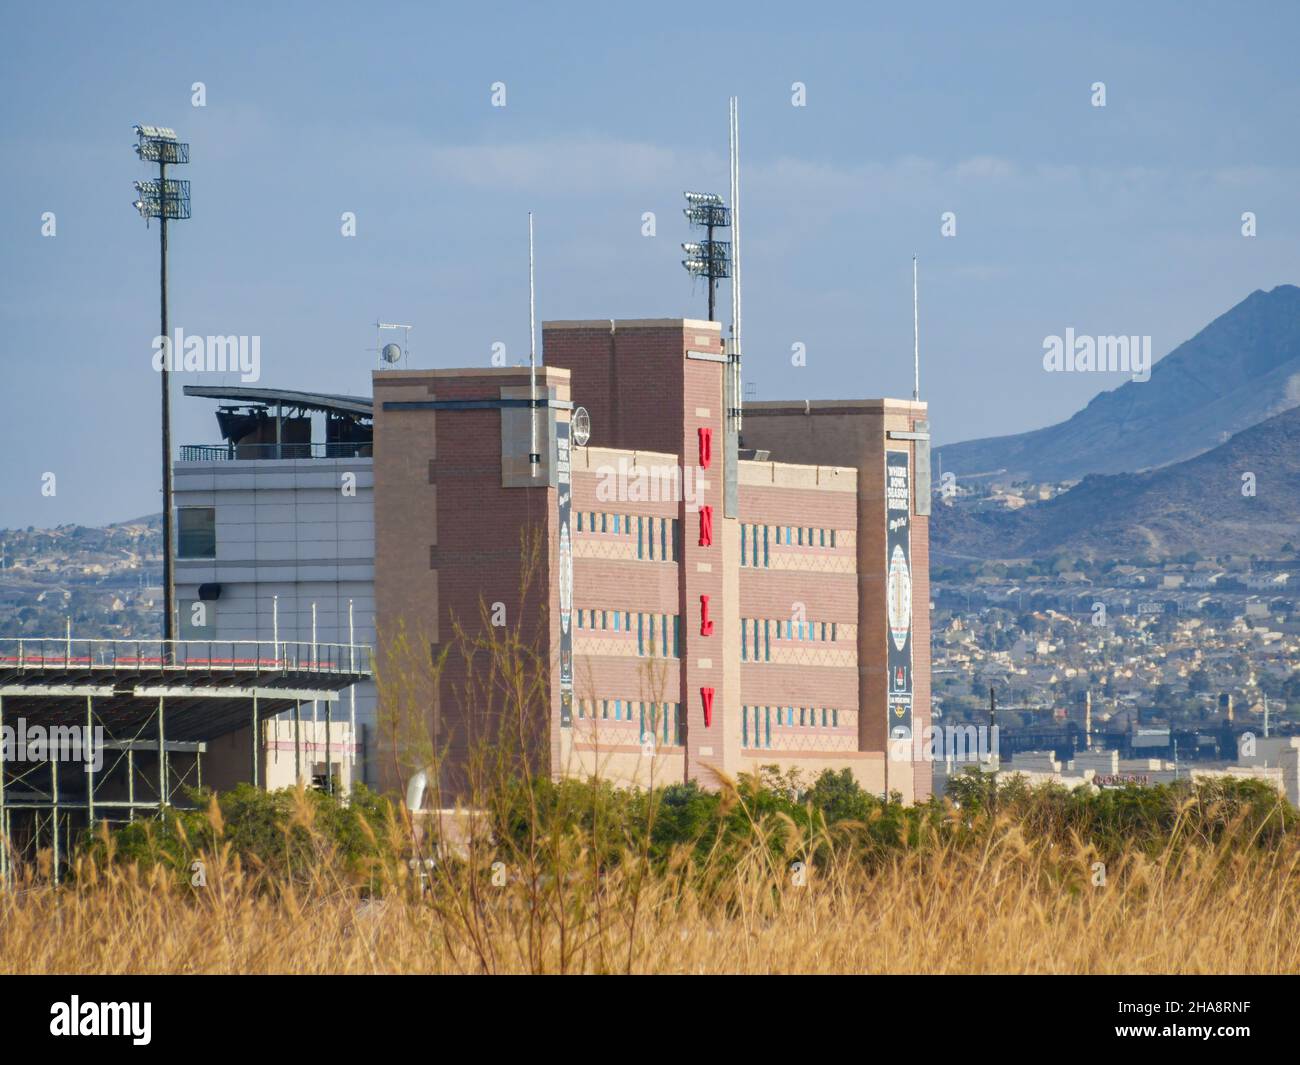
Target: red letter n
(706, 526)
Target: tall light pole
(709, 258)
(164, 199)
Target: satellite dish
(580, 426)
(391, 353)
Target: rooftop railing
(267, 452)
(189, 656)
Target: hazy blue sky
(1122, 219)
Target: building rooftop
(283, 397)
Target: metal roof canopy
(271, 397)
(196, 707)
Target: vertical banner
(898, 591)
(563, 495)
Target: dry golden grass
(569, 882)
(1003, 907)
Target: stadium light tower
(709, 258)
(164, 199)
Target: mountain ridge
(1194, 505)
(1241, 369)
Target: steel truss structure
(96, 731)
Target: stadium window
(832, 538)
(835, 719)
(676, 636)
(196, 532)
(767, 725)
(640, 536)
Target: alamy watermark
(210, 354)
(77, 1018)
(626, 483)
(1106, 354)
(944, 743)
(55, 743)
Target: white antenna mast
(534, 456)
(916, 340)
(734, 138)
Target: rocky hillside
(1241, 369)
(1194, 505)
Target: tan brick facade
(855, 433)
(793, 647)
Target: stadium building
(707, 602)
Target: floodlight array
(173, 202)
(708, 258)
(708, 214)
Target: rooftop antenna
(916, 340)
(163, 199)
(534, 456)
(733, 351)
(391, 354)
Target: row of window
(755, 540)
(660, 720)
(657, 635)
(757, 634)
(657, 539)
(757, 722)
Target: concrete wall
(286, 529)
